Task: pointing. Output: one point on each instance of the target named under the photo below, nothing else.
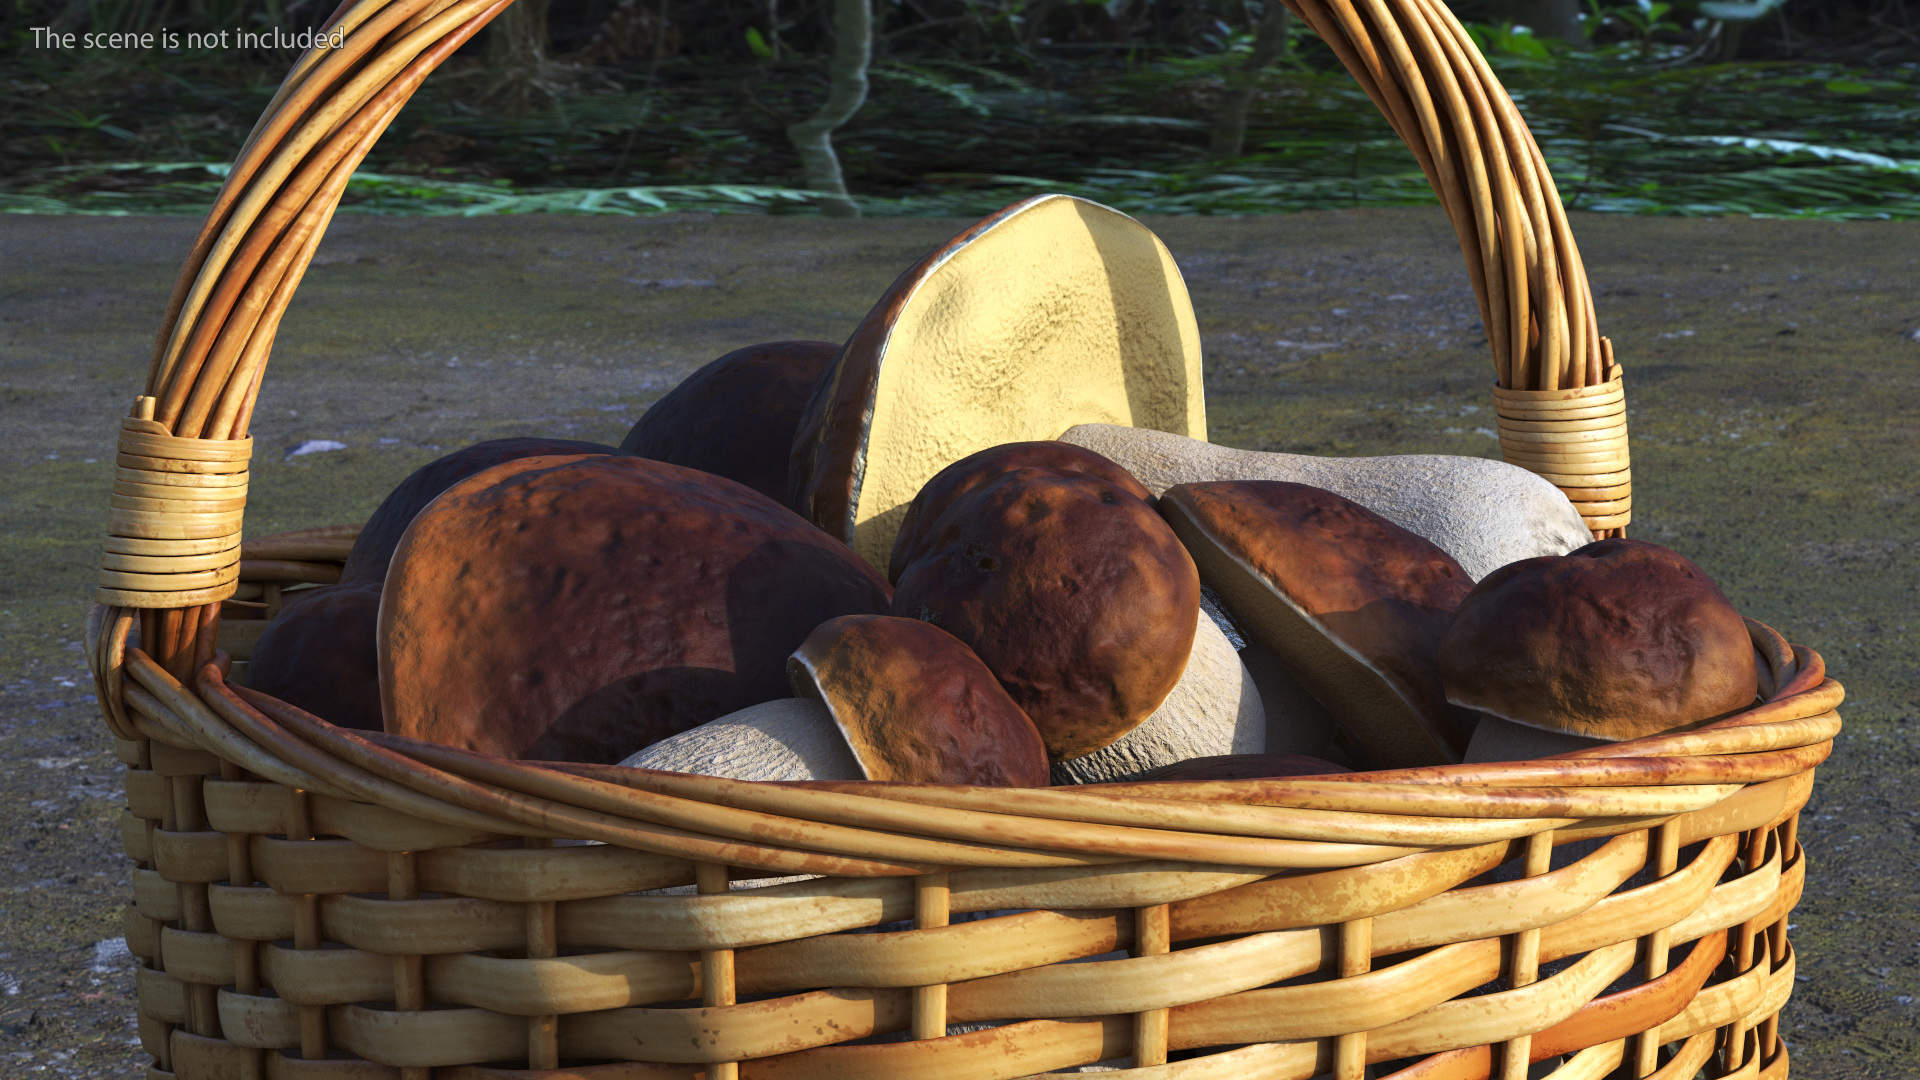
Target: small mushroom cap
(319, 654)
(1245, 767)
(1618, 640)
(1074, 593)
(1353, 604)
(736, 416)
(916, 705)
(579, 609)
(975, 469)
(373, 548)
(1053, 312)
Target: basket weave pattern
(314, 902)
(289, 906)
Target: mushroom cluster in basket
(986, 542)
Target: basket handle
(1558, 398)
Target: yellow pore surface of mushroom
(1063, 312)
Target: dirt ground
(1773, 373)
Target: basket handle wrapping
(174, 544)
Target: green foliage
(1623, 125)
(914, 75)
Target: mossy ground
(1775, 400)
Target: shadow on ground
(1775, 403)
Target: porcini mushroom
(1074, 593)
(1484, 513)
(320, 654)
(735, 416)
(1078, 598)
(1214, 709)
(975, 469)
(373, 548)
(1618, 640)
(1053, 312)
(1353, 604)
(916, 705)
(582, 608)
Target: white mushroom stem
(1484, 513)
(785, 739)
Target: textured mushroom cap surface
(1353, 604)
(736, 416)
(1053, 312)
(1214, 709)
(373, 548)
(1074, 593)
(783, 739)
(320, 654)
(1245, 767)
(1484, 513)
(1619, 640)
(975, 469)
(916, 705)
(583, 608)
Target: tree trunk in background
(1547, 18)
(517, 55)
(518, 35)
(813, 138)
(1229, 135)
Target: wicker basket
(317, 903)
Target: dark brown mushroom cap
(735, 417)
(373, 549)
(1617, 640)
(916, 705)
(1353, 604)
(975, 469)
(1245, 767)
(584, 608)
(1053, 312)
(320, 654)
(1074, 593)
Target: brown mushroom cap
(975, 469)
(583, 608)
(1618, 640)
(1074, 593)
(1245, 767)
(1053, 312)
(373, 548)
(916, 705)
(319, 654)
(1353, 604)
(735, 417)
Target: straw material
(1577, 438)
(312, 902)
(173, 527)
(307, 891)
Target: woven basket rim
(871, 828)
